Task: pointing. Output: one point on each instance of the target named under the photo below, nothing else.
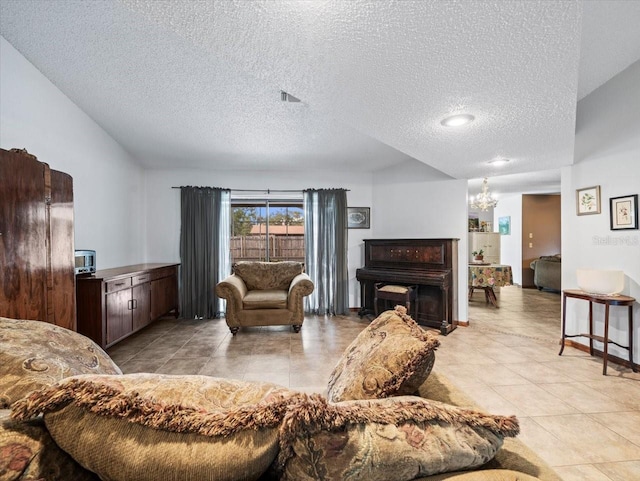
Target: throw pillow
(513, 455)
(154, 427)
(392, 356)
(27, 452)
(393, 439)
(36, 354)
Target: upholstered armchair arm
(300, 286)
(233, 289)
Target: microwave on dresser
(85, 262)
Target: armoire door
(37, 279)
(62, 292)
(23, 260)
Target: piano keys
(431, 264)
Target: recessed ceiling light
(498, 161)
(457, 120)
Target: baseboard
(596, 352)
(463, 323)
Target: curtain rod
(268, 191)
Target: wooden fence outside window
(281, 248)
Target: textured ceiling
(610, 42)
(185, 83)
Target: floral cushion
(267, 275)
(392, 356)
(393, 439)
(36, 354)
(28, 453)
(154, 427)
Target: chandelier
(484, 200)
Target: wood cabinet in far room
(489, 242)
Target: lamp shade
(595, 281)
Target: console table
(617, 300)
(486, 277)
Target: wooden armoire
(37, 278)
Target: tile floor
(585, 425)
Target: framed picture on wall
(624, 212)
(474, 223)
(504, 225)
(358, 217)
(588, 200)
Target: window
(267, 230)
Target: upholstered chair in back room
(265, 294)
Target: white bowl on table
(602, 282)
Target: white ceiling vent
(285, 97)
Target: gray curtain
(204, 246)
(325, 233)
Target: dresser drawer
(163, 272)
(141, 279)
(118, 284)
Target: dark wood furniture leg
(564, 321)
(633, 366)
(363, 301)
(490, 296)
(605, 349)
(591, 328)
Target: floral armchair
(265, 294)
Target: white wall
(107, 184)
(409, 203)
(163, 213)
(607, 154)
(511, 245)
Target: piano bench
(397, 294)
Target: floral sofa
(265, 294)
(69, 413)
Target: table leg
(491, 296)
(633, 366)
(470, 292)
(591, 327)
(605, 349)
(564, 319)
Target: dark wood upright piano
(431, 264)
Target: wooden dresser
(114, 303)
